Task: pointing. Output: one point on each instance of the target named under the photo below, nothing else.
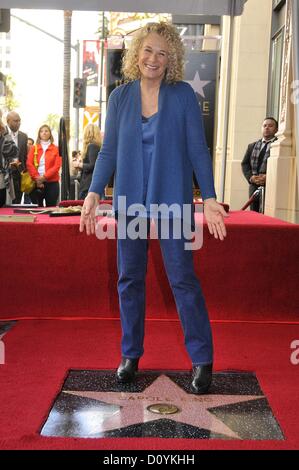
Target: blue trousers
(190, 303)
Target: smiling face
(153, 58)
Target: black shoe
(201, 379)
(127, 370)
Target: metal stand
(261, 190)
(259, 193)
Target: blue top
(149, 126)
(180, 148)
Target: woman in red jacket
(43, 164)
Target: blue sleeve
(106, 160)
(198, 151)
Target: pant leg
(27, 199)
(83, 194)
(132, 265)
(51, 193)
(189, 299)
(2, 197)
(17, 187)
(37, 197)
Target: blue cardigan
(180, 148)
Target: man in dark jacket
(254, 164)
(8, 152)
(20, 138)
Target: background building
(5, 53)
(258, 83)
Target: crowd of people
(40, 158)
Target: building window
(7, 64)
(276, 69)
(190, 29)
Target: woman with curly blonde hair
(154, 140)
(92, 141)
(175, 67)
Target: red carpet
(40, 353)
(250, 282)
(53, 271)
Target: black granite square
(5, 326)
(92, 404)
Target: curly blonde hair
(175, 67)
(92, 135)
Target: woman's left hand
(215, 214)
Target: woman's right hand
(88, 214)
(77, 165)
(15, 163)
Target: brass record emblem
(163, 409)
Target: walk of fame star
(132, 408)
(92, 404)
(198, 84)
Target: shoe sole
(200, 391)
(125, 380)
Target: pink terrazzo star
(194, 409)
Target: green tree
(53, 121)
(103, 32)
(10, 103)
